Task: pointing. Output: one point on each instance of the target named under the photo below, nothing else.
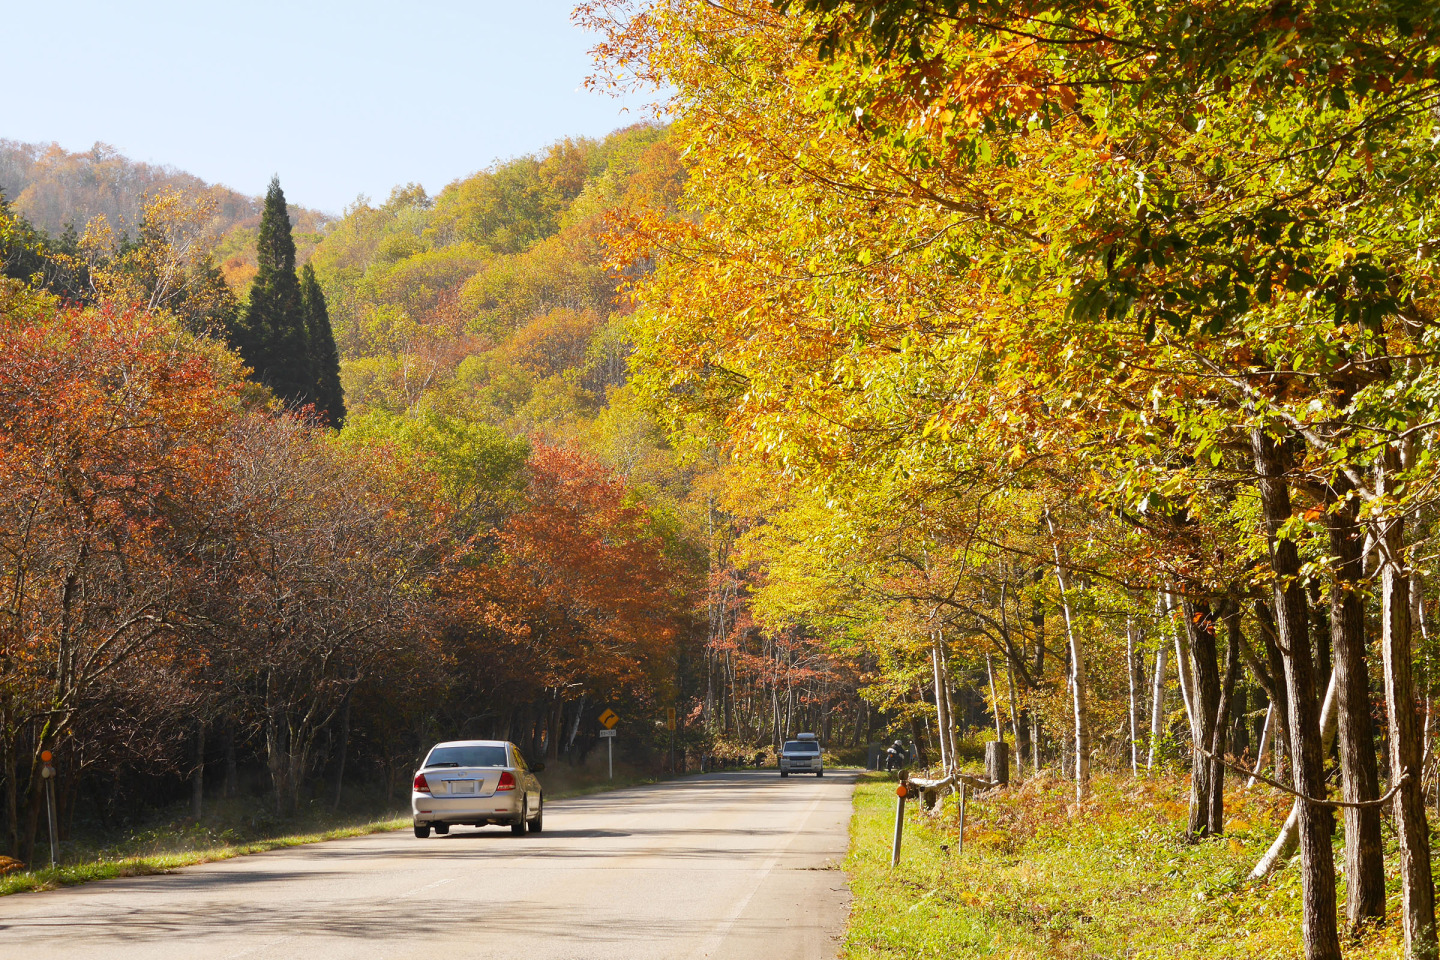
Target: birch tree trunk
(950, 736)
(941, 719)
(1264, 743)
(1157, 704)
(1078, 681)
(1184, 670)
(994, 700)
(1014, 714)
(1132, 673)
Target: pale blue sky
(338, 98)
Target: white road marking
(722, 929)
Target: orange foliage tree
(581, 598)
(109, 429)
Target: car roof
(472, 743)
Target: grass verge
(1039, 878)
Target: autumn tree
(109, 421)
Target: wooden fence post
(960, 837)
(997, 762)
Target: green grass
(1040, 879)
(236, 828)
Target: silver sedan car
(476, 782)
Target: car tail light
(507, 781)
(421, 785)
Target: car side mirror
(536, 767)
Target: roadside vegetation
(1038, 879)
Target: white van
(802, 755)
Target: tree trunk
(1016, 721)
(1417, 889)
(1185, 672)
(941, 719)
(1283, 846)
(553, 727)
(1204, 705)
(232, 774)
(1364, 853)
(1037, 621)
(1078, 681)
(1218, 745)
(950, 722)
(1321, 936)
(276, 752)
(994, 700)
(12, 794)
(1157, 703)
(344, 750)
(197, 775)
(1265, 731)
(1279, 694)
(1132, 674)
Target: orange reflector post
(900, 791)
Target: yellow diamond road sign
(608, 719)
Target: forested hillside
(59, 191)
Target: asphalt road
(729, 865)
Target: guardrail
(931, 792)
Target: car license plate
(462, 786)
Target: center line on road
(722, 929)
(428, 886)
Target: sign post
(608, 719)
(47, 773)
(609, 737)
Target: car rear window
(477, 756)
(801, 746)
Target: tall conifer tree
(272, 336)
(324, 357)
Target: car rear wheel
(819, 773)
(422, 830)
(518, 827)
(442, 828)
(784, 773)
(539, 822)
